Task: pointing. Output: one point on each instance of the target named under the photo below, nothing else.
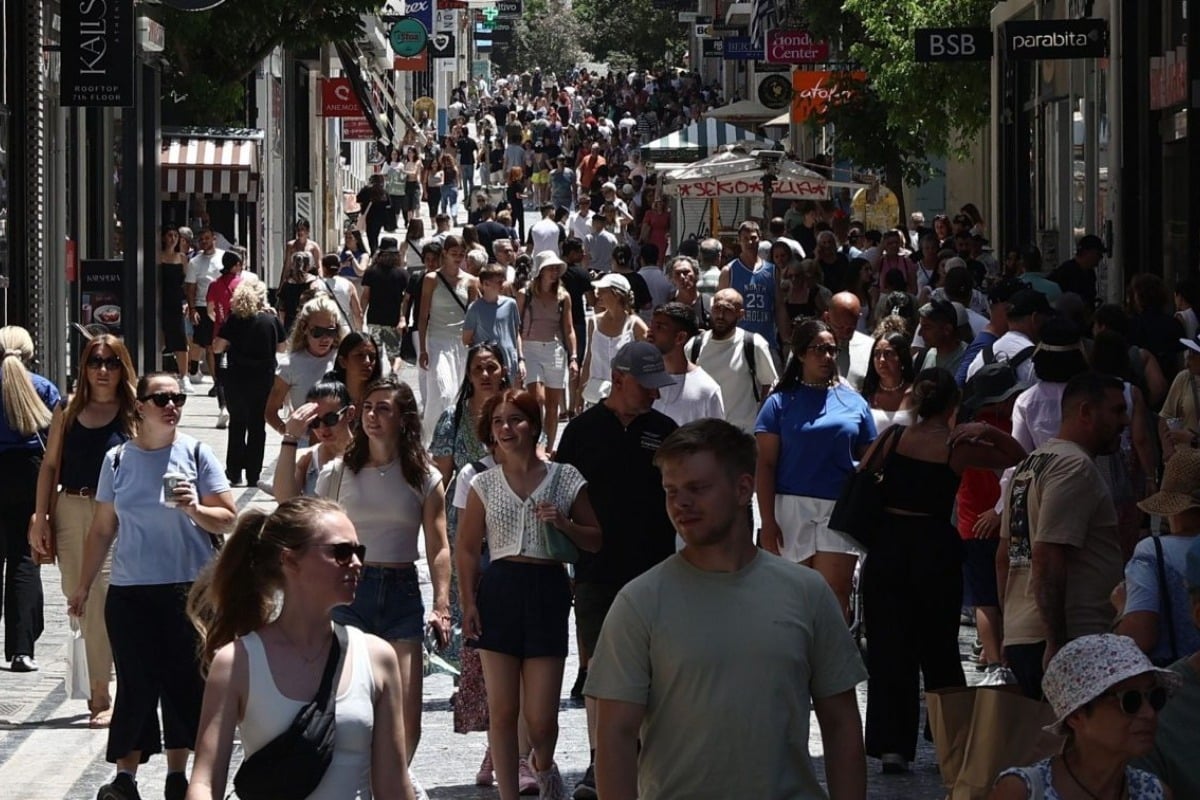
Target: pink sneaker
(486, 775)
(527, 783)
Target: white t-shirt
(300, 370)
(724, 360)
(1008, 346)
(694, 396)
(579, 224)
(544, 234)
(202, 270)
(342, 289)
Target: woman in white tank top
(308, 550)
(614, 326)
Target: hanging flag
(764, 15)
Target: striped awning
(699, 140)
(211, 167)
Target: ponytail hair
(935, 391)
(24, 409)
(236, 594)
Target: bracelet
(572, 359)
(289, 443)
(520, 358)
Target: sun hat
(1180, 489)
(546, 258)
(1192, 344)
(644, 362)
(387, 244)
(615, 282)
(1087, 667)
(993, 383)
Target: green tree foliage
(907, 111)
(209, 54)
(631, 32)
(547, 36)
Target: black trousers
(21, 588)
(155, 652)
(1025, 660)
(246, 395)
(433, 198)
(912, 596)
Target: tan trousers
(72, 518)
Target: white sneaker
(222, 419)
(196, 379)
(185, 386)
(418, 790)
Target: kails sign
(1054, 38)
(97, 53)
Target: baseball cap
(1027, 302)
(613, 281)
(940, 311)
(992, 383)
(954, 263)
(643, 361)
(1180, 490)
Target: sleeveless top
(410, 171)
(445, 314)
(538, 325)
(171, 287)
(886, 419)
(602, 348)
(512, 527)
(88, 447)
(268, 713)
(1140, 785)
(919, 486)
(758, 292)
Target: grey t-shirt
(495, 322)
(756, 645)
(300, 370)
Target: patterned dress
(1139, 784)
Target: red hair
(524, 402)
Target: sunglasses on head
(161, 399)
(322, 333)
(1130, 700)
(111, 362)
(328, 420)
(343, 552)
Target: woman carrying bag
(100, 416)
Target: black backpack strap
(218, 540)
(332, 675)
(694, 353)
(1165, 596)
(117, 458)
(989, 353)
(748, 353)
(1020, 358)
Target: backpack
(992, 367)
(747, 356)
(218, 540)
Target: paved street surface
(47, 751)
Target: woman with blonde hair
(250, 337)
(263, 667)
(311, 351)
(100, 415)
(614, 326)
(27, 400)
(544, 308)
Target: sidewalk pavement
(47, 752)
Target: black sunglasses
(344, 551)
(161, 399)
(328, 420)
(96, 362)
(1130, 700)
(322, 333)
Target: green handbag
(558, 544)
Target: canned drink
(169, 481)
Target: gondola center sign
(795, 47)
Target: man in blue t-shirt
(754, 279)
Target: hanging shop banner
(1056, 38)
(794, 47)
(338, 99)
(739, 48)
(408, 37)
(1168, 79)
(954, 44)
(421, 11)
(711, 48)
(705, 189)
(508, 8)
(357, 129)
(812, 91)
(441, 45)
(100, 294)
(417, 63)
(98, 50)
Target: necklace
(386, 468)
(897, 387)
(295, 647)
(1067, 766)
(816, 385)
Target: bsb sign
(954, 44)
(1055, 39)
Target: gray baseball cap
(643, 361)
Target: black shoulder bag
(291, 766)
(859, 509)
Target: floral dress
(1139, 784)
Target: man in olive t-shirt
(713, 659)
(1060, 556)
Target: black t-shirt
(1074, 278)
(496, 159)
(467, 150)
(641, 290)
(253, 342)
(836, 274)
(577, 282)
(387, 294)
(490, 232)
(625, 489)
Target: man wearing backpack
(997, 325)
(1027, 309)
(738, 360)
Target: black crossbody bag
(291, 766)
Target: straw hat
(1180, 488)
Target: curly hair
(248, 299)
(322, 303)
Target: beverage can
(169, 481)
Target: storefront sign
(775, 91)
(421, 11)
(100, 294)
(702, 30)
(711, 48)
(954, 44)
(357, 129)
(338, 99)
(813, 91)
(445, 21)
(1168, 79)
(98, 53)
(509, 8)
(417, 63)
(814, 189)
(795, 47)
(739, 48)
(408, 37)
(441, 45)
(1053, 38)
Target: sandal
(100, 717)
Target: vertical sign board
(98, 54)
(100, 294)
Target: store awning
(699, 140)
(744, 110)
(214, 166)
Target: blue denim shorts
(388, 604)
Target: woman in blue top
(26, 400)
(811, 432)
(166, 539)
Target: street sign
(408, 37)
(338, 99)
(508, 8)
(441, 45)
(739, 48)
(795, 47)
(1055, 38)
(954, 44)
(417, 63)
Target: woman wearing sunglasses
(263, 668)
(26, 400)
(311, 353)
(99, 416)
(250, 337)
(168, 495)
(1106, 696)
(325, 419)
(392, 492)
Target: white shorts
(804, 522)
(545, 362)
